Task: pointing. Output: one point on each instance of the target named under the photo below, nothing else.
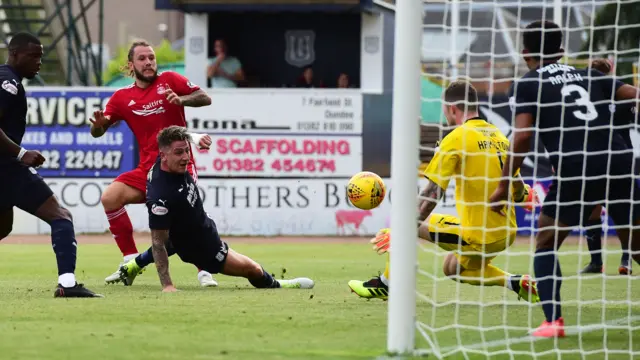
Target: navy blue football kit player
(179, 224)
(571, 111)
(624, 119)
(20, 184)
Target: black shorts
(23, 187)
(572, 201)
(208, 253)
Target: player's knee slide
(263, 280)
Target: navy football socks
(266, 281)
(545, 265)
(146, 257)
(594, 241)
(63, 240)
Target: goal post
(405, 140)
(429, 313)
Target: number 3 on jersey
(581, 100)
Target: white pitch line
(569, 330)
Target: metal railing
(54, 21)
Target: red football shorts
(137, 178)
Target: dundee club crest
(300, 47)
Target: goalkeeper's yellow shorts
(472, 254)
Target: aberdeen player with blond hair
(473, 156)
(153, 102)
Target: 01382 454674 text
(286, 155)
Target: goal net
(481, 41)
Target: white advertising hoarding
(302, 133)
(249, 207)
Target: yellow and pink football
(366, 190)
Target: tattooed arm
(196, 99)
(429, 197)
(158, 240)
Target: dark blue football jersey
(624, 120)
(13, 107)
(573, 113)
(174, 203)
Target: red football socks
(122, 230)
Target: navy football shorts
(21, 186)
(572, 201)
(208, 253)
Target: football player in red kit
(153, 102)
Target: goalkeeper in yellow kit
(473, 155)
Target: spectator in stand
(307, 80)
(343, 81)
(224, 71)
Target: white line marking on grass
(569, 330)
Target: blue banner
(58, 126)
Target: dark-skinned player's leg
(547, 268)
(594, 242)
(6, 222)
(557, 217)
(625, 213)
(625, 259)
(34, 196)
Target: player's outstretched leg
(375, 288)
(240, 265)
(594, 242)
(489, 275)
(64, 244)
(549, 275)
(478, 271)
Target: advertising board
(253, 207)
(58, 127)
(280, 133)
(250, 207)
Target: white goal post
(405, 140)
(415, 305)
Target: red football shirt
(147, 111)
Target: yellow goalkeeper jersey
(473, 154)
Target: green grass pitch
(235, 321)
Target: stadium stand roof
(263, 5)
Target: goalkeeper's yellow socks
(488, 276)
(385, 275)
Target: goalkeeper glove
(530, 198)
(381, 241)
